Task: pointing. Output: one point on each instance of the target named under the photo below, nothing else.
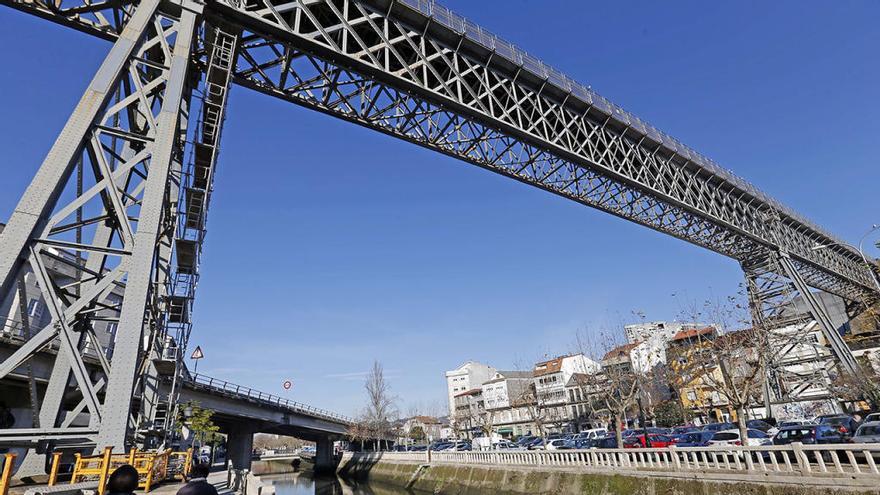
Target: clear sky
(330, 245)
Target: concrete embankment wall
(452, 479)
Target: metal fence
(843, 460)
(243, 392)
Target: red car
(657, 441)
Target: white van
(594, 433)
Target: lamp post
(873, 228)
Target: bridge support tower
(325, 458)
(240, 446)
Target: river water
(306, 483)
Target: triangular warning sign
(197, 354)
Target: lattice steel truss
(406, 68)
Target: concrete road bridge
(239, 411)
(110, 231)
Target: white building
(647, 342)
(468, 376)
(550, 380)
(505, 387)
(504, 396)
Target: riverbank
(469, 479)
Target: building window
(35, 308)
(692, 396)
(111, 328)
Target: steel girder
(573, 142)
(440, 71)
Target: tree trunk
(618, 433)
(741, 422)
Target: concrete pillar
(240, 447)
(325, 461)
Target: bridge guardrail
(836, 460)
(265, 398)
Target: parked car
(758, 424)
(872, 417)
(592, 433)
(525, 440)
(504, 445)
(536, 442)
(609, 442)
(720, 426)
(681, 430)
(731, 437)
(694, 439)
(657, 441)
(868, 432)
(795, 422)
(845, 423)
(554, 444)
(809, 434)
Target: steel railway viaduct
(127, 184)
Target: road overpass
(239, 411)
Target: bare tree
(735, 363)
(535, 410)
(380, 404)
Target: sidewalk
(216, 478)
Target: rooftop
(620, 351)
(693, 332)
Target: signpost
(196, 355)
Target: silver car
(868, 432)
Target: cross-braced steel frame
(407, 68)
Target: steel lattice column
(127, 131)
(774, 287)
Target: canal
(306, 483)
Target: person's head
(200, 471)
(123, 480)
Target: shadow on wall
(359, 465)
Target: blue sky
(330, 245)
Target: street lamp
(873, 228)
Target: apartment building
(470, 375)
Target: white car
(552, 444)
(591, 434)
(731, 437)
(504, 445)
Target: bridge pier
(325, 461)
(240, 447)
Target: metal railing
(837, 460)
(443, 15)
(241, 391)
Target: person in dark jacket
(198, 482)
(123, 481)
